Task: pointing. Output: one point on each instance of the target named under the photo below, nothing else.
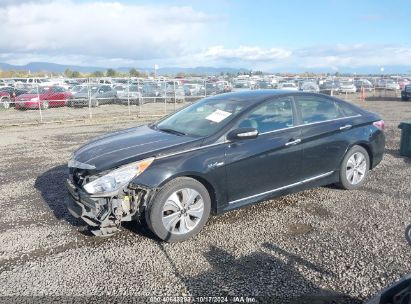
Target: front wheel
(354, 168)
(45, 105)
(179, 210)
(95, 103)
(404, 98)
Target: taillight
(379, 124)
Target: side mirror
(242, 133)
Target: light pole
(155, 70)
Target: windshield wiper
(172, 131)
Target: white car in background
(192, 89)
(310, 87)
(347, 87)
(129, 95)
(77, 88)
(388, 84)
(392, 85)
(288, 86)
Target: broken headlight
(118, 177)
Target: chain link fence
(43, 101)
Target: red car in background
(43, 97)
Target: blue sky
(266, 35)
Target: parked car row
(95, 94)
(316, 85)
(406, 93)
(83, 92)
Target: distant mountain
(364, 70)
(60, 68)
(48, 67)
(203, 70)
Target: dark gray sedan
(94, 96)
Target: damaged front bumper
(105, 213)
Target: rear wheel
(45, 105)
(179, 210)
(354, 168)
(404, 98)
(5, 103)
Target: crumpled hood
(122, 147)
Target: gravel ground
(321, 242)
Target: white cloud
(113, 34)
(356, 55)
(246, 53)
(327, 57)
(101, 29)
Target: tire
(94, 103)
(5, 102)
(358, 160)
(163, 209)
(45, 105)
(404, 98)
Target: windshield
(77, 88)
(39, 91)
(202, 118)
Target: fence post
(165, 97)
(140, 96)
(175, 97)
(128, 96)
(38, 100)
(89, 98)
(205, 88)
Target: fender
(207, 165)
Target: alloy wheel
(182, 211)
(356, 168)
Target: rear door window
(347, 110)
(270, 116)
(315, 109)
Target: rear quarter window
(347, 110)
(314, 109)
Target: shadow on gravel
(51, 184)
(382, 97)
(396, 153)
(271, 275)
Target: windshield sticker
(218, 116)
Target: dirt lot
(322, 242)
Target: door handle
(345, 127)
(293, 142)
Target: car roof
(252, 95)
(256, 96)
